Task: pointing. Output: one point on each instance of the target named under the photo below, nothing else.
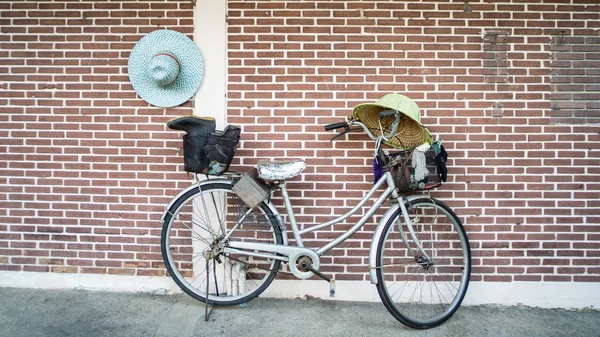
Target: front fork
(398, 207)
(402, 202)
(409, 224)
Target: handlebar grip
(387, 113)
(336, 126)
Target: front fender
(379, 232)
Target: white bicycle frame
(287, 253)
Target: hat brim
(411, 133)
(190, 72)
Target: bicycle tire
(189, 230)
(419, 293)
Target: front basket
(401, 167)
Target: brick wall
(526, 189)
(86, 167)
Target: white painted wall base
(116, 283)
(536, 294)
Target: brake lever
(346, 130)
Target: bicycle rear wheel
(196, 223)
(420, 292)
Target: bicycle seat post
(290, 212)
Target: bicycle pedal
(332, 288)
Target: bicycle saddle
(193, 125)
(279, 170)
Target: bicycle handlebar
(382, 114)
(387, 113)
(334, 126)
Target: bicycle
(223, 241)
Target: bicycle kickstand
(206, 312)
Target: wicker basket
(400, 164)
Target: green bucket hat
(165, 68)
(410, 133)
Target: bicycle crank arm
(318, 273)
(307, 266)
(292, 254)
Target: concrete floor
(34, 312)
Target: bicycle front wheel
(207, 217)
(423, 290)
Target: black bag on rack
(219, 149)
(206, 150)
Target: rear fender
(168, 209)
(171, 210)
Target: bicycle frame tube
(362, 202)
(290, 211)
(358, 225)
(390, 190)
